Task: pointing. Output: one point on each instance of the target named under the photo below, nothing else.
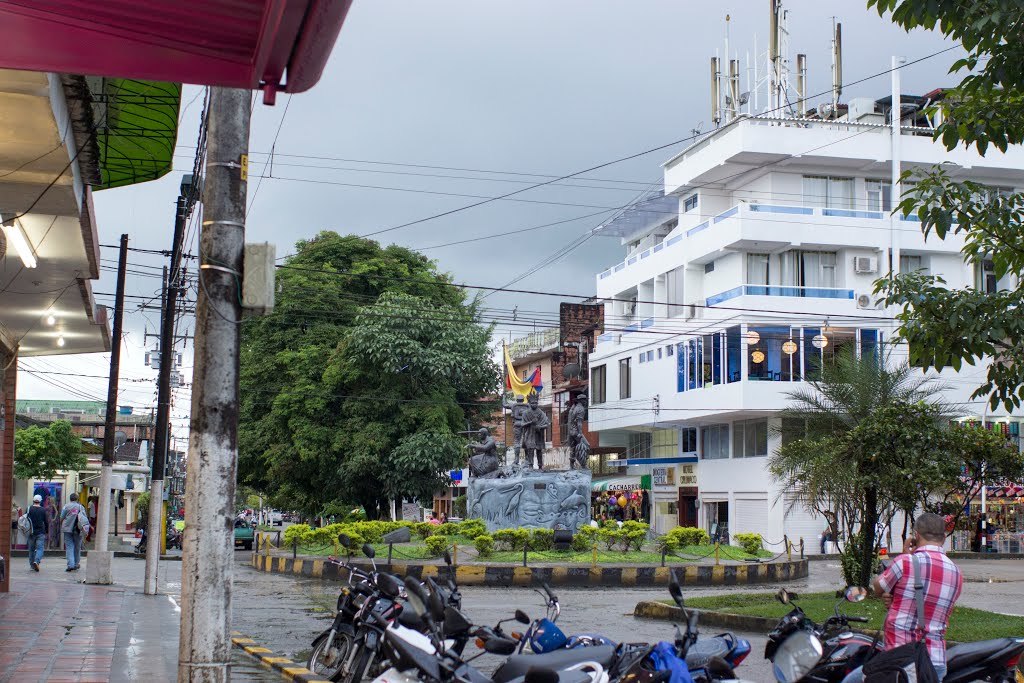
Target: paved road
(286, 613)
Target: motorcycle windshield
(796, 656)
(547, 638)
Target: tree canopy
(354, 388)
(42, 452)
(947, 327)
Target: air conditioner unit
(689, 311)
(865, 264)
(864, 301)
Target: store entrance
(717, 516)
(687, 506)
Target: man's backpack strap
(918, 578)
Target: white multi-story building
(760, 256)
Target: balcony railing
(741, 209)
(780, 290)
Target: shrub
(437, 545)
(328, 535)
(751, 543)
(632, 539)
(609, 536)
(296, 532)
(609, 524)
(459, 507)
(851, 561)
(484, 545)
(472, 528)
(542, 539)
(424, 529)
(683, 536)
(447, 529)
(583, 540)
(373, 532)
(512, 539)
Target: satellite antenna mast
(837, 63)
(716, 107)
(801, 85)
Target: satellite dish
(120, 438)
(571, 370)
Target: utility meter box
(258, 283)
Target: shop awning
(617, 484)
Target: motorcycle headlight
(796, 656)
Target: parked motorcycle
(802, 650)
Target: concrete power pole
(155, 529)
(204, 653)
(98, 561)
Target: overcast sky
(546, 88)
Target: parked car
(276, 518)
(245, 534)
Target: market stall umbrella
(272, 45)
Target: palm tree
(820, 461)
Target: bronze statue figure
(485, 461)
(535, 426)
(519, 410)
(579, 447)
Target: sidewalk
(55, 628)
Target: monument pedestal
(531, 499)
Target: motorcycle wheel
(361, 667)
(328, 664)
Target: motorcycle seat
(709, 647)
(967, 654)
(516, 666)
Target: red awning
(277, 45)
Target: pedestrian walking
(92, 517)
(74, 523)
(38, 528)
(942, 581)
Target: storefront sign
(688, 475)
(663, 476)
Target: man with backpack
(35, 527)
(74, 522)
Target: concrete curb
(501, 576)
(289, 670)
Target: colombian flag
(521, 387)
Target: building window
(757, 269)
(650, 356)
(879, 195)
(985, 277)
(642, 357)
(714, 440)
(670, 350)
(665, 443)
(639, 445)
(828, 192)
(709, 267)
(733, 357)
(811, 269)
(750, 438)
(675, 291)
(624, 378)
(659, 353)
(598, 384)
(910, 263)
(690, 203)
(688, 439)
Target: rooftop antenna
(716, 111)
(837, 63)
(773, 53)
(801, 85)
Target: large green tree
(353, 389)
(42, 452)
(952, 326)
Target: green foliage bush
(484, 545)
(459, 507)
(424, 529)
(447, 529)
(851, 561)
(296, 532)
(472, 528)
(609, 536)
(683, 536)
(437, 545)
(512, 539)
(583, 539)
(542, 539)
(751, 543)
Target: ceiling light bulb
(789, 347)
(752, 337)
(60, 341)
(757, 356)
(16, 235)
(50, 320)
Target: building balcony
(780, 290)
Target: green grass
(965, 625)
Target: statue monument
(519, 496)
(579, 447)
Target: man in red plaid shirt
(942, 584)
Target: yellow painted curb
(295, 670)
(242, 641)
(629, 576)
(718, 575)
(690, 575)
(662, 575)
(235, 633)
(741, 573)
(254, 650)
(470, 576)
(318, 568)
(276, 660)
(522, 576)
(297, 566)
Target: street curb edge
(289, 670)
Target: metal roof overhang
(642, 216)
(274, 45)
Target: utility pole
(155, 529)
(204, 651)
(98, 561)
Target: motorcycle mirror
(344, 540)
(447, 558)
(415, 596)
(676, 591)
(369, 551)
(784, 596)
(435, 602)
(522, 617)
(855, 594)
(500, 646)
